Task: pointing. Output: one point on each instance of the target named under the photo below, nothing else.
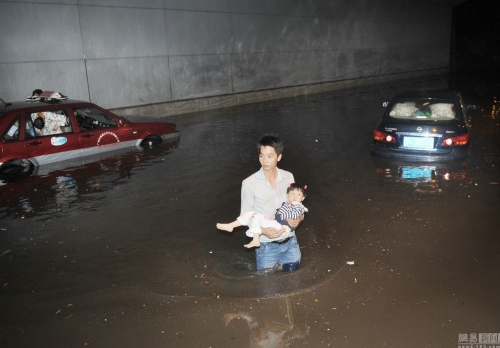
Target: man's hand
(295, 223)
(271, 232)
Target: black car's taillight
(461, 140)
(381, 136)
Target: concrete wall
(121, 53)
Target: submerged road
(124, 252)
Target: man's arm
(271, 232)
(295, 216)
(296, 222)
(247, 198)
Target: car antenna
(6, 104)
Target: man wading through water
(264, 192)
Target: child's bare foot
(225, 227)
(253, 244)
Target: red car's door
(11, 145)
(100, 131)
(53, 142)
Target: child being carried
(292, 210)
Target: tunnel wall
(171, 56)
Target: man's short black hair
(37, 92)
(39, 123)
(272, 140)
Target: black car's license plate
(418, 142)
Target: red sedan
(49, 130)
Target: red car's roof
(27, 105)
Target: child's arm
(289, 211)
(297, 210)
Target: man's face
(268, 158)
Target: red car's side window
(90, 118)
(12, 132)
(30, 130)
(50, 122)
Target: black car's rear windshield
(424, 109)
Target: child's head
(296, 192)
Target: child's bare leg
(255, 243)
(229, 227)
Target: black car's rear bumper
(456, 153)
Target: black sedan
(423, 125)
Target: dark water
(141, 224)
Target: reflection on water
(269, 325)
(495, 108)
(415, 174)
(60, 188)
(489, 108)
(428, 178)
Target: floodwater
(123, 251)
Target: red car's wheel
(16, 169)
(151, 142)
